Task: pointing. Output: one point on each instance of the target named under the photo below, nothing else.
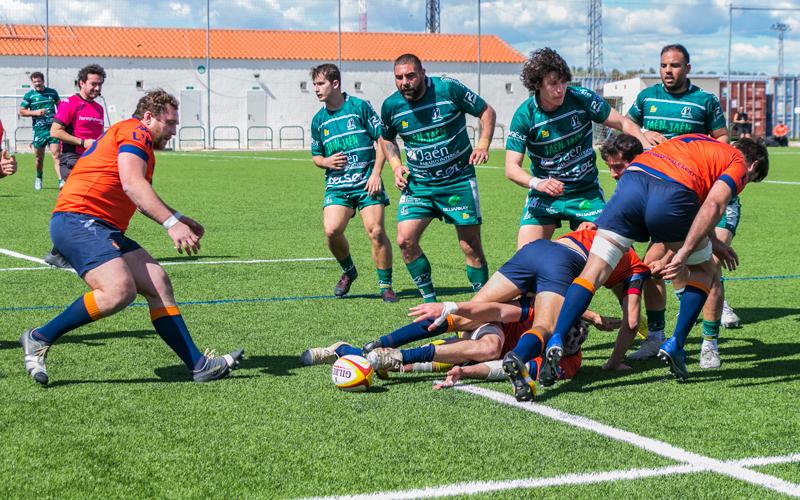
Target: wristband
(483, 144)
(172, 220)
(534, 182)
(395, 163)
(448, 309)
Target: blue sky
(634, 31)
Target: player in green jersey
(40, 104)
(665, 110)
(554, 126)
(344, 134)
(438, 180)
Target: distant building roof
(94, 41)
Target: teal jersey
(559, 143)
(35, 100)
(352, 130)
(692, 112)
(434, 130)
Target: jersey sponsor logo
(404, 124)
(436, 115)
(686, 112)
(345, 179)
(314, 143)
(517, 136)
(545, 133)
(351, 124)
(459, 208)
(574, 121)
(653, 108)
(90, 119)
(375, 122)
(326, 132)
(419, 155)
(471, 97)
(595, 105)
(407, 199)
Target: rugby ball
(352, 373)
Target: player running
(554, 126)
(438, 180)
(672, 194)
(108, 184)
(674, 107)
(40, 104)
(343, 143)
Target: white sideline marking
(652, 445)
(475, 487)
(22, 256)
(23, 268)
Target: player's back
(94, 186)
(696, 161)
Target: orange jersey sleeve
(94, 187)
(582, 238)
(696, 161)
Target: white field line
(475, 487)
(22, 256)
(652, 445)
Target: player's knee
(405, 242)
(332, 232)
(377, 233)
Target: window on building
(139, 84)
(509, 88)
(357, 86)
(304, 86)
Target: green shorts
(543, 210)
(457, 203)
(730, 219)
(41, 138)
(355, 199)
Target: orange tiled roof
(94, 41)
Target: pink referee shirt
(81, 118)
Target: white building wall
(287, 103)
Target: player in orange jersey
(673, 194)
(110, 181)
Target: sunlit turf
(121, 419)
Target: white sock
(710, 342)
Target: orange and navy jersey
(514, 330)
(630, 266)
(94, 187)
(697, 161)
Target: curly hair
(540, 64)
(754, 151)
(92, 69)
(155, 101)
(625, 144)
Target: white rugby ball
(352, 373)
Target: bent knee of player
(487, 348)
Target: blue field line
(325, 297)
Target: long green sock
(384, 278)
(38, 174)
(711, 331)
(420, 270)
(477, 276)
(347, 266)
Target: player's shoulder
(394, 101)
(651, 91)
(445, 81)
(581, 92)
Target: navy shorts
(543, 266)
(87, 242)
(646, 208)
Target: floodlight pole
(47, 41)
(728, 78)
(208, 71)
(479, 47)
(339, 35)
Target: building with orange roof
(258, 78)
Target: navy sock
(84, 310)
(418, 354)
(577, 299)
(347, 349)
(694, 296)
(170, 326)
(411, 333)
(530, 345)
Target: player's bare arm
(517, 174)
(392, 152)
(132, 176)
(721, 134)
(31, 113)
(58, 131)
(374, 183)
(487, 118)
(624, 124)
(631, 305)
(8, 165)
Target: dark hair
(408, 59)
(92, 69)
(754, 151)
(625, 144)
(541, 63)
(680, 48)
(329, 71)
(155, 101)
(37, 74)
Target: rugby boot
(675, 358)
(321, 355)
(709, 357)
(343, 286)
(648, 348)
(520, 378)
(729, 318)
(210, 367)
(384, 360)
(549, 372)
(55, 259)
(35, 356)
(388, 295)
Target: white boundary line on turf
(475, 487)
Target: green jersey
(352, 130)
(434, 130)
(35, 100)
(692, 112)
(559, 143)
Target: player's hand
(374, 185)
(552, 187)
(400, 181)
(41, 112)
(725, 253)
(602, 323)
(87, 143)
(616, 367)
(335, 161)
(479, 155)
(676, 265)
(195, 226)
(654, 137)
(8, 164)
(587, 225)
(184, 238)
(435, 311)
(453, 376)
